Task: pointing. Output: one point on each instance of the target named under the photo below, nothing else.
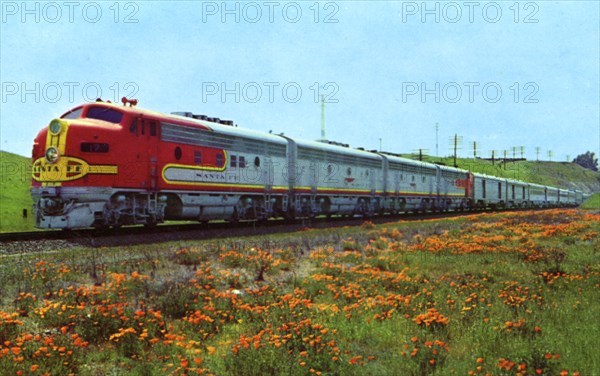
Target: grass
(15, 182)
(490, 293)
(593, 202)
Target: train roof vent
(182, 113)
(227, 122)
(335, 143)
(360, 148)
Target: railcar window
(523, 192)
(94, 147)
(349, 171)
(178, 153)
(233, 162)
(198, 157)
(499, 190)
(483, 188)
(257, 162)
(75, 114)
(220, 161)
(242, 162)
(106, 114)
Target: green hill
(15, 181)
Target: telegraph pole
(323, 138)
(456, 140)
(475, 150)
(437, 151)
(537, 153)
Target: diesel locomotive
(104, 164)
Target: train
(104, 164)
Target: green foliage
(15, 182)
(593, 202)
(587, 160)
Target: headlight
(52, 154)
(55, 126)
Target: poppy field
(511, 293)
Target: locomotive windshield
(106, 114)
(97, 112)
(74, 114)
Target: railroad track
(26, 242)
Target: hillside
(15, 180)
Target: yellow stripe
(223, 185)
(101, 169)
(58, 141)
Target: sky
(502, 74)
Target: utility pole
(493, 157)
(505, 152)
(550, 154)
(420, 153)
(456, 140)
(522, 149)
(537, 153)
(437, 151)
(474, 150)
(323, 138)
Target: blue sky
(501, 73)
